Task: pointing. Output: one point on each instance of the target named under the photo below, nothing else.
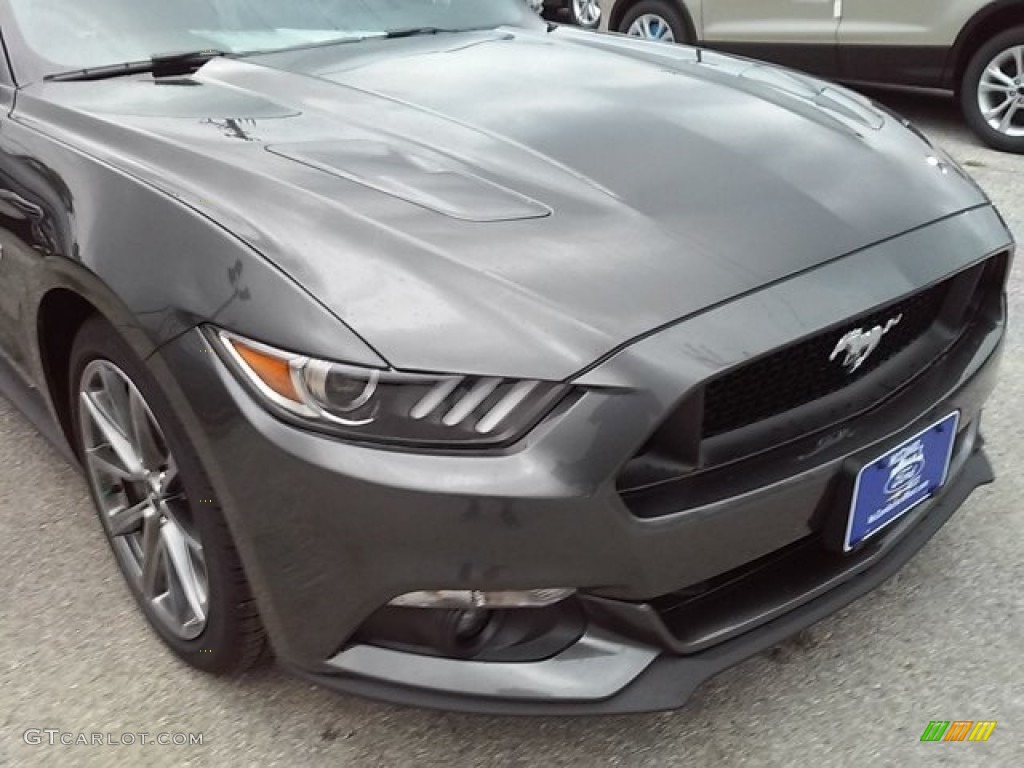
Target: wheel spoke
(152, 554)
(142, 435)
(997, 110)
(996, 73)
(180, 558)
(111, 431)
(129, 519)
(105, 460)
(1007, 121)
(1018, 59)
(115, 389)
(995, 87)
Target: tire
(648, 18)
(1004, 52)
(182, 523)
(585, 14)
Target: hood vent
(431, 183)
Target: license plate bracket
(892, 484)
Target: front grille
(803, 373)
(724, 439)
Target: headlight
(388, 406)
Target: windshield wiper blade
(415, 31)
(165, 65)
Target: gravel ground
(944, 639)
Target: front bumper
(609, 673)
(329, 531)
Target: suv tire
(992, 91)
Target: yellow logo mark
(982, 730)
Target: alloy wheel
(651, 26)
(141, 500)
(1001, 92)
(586, 13)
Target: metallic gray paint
(628, 247)
(670, 680)
(513, 519)
(672, 225)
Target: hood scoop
(429, 182)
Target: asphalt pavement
(943, 640)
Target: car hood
(512, 202)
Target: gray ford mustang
(455, 384)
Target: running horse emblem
(858, 344)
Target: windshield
(62, 35)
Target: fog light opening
(464, 634)
(467, 625)
(470, 625)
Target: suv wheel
(655, 20)
(158, 510)
(992, 91)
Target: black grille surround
(795, 393)
(803, 372)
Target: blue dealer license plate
(908, 474)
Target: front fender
(153, 265)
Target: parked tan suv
(972, 47)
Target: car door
(796, 33)
(906, 42)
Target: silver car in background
(972, 47)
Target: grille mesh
(803, 373)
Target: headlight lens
(388, 406)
